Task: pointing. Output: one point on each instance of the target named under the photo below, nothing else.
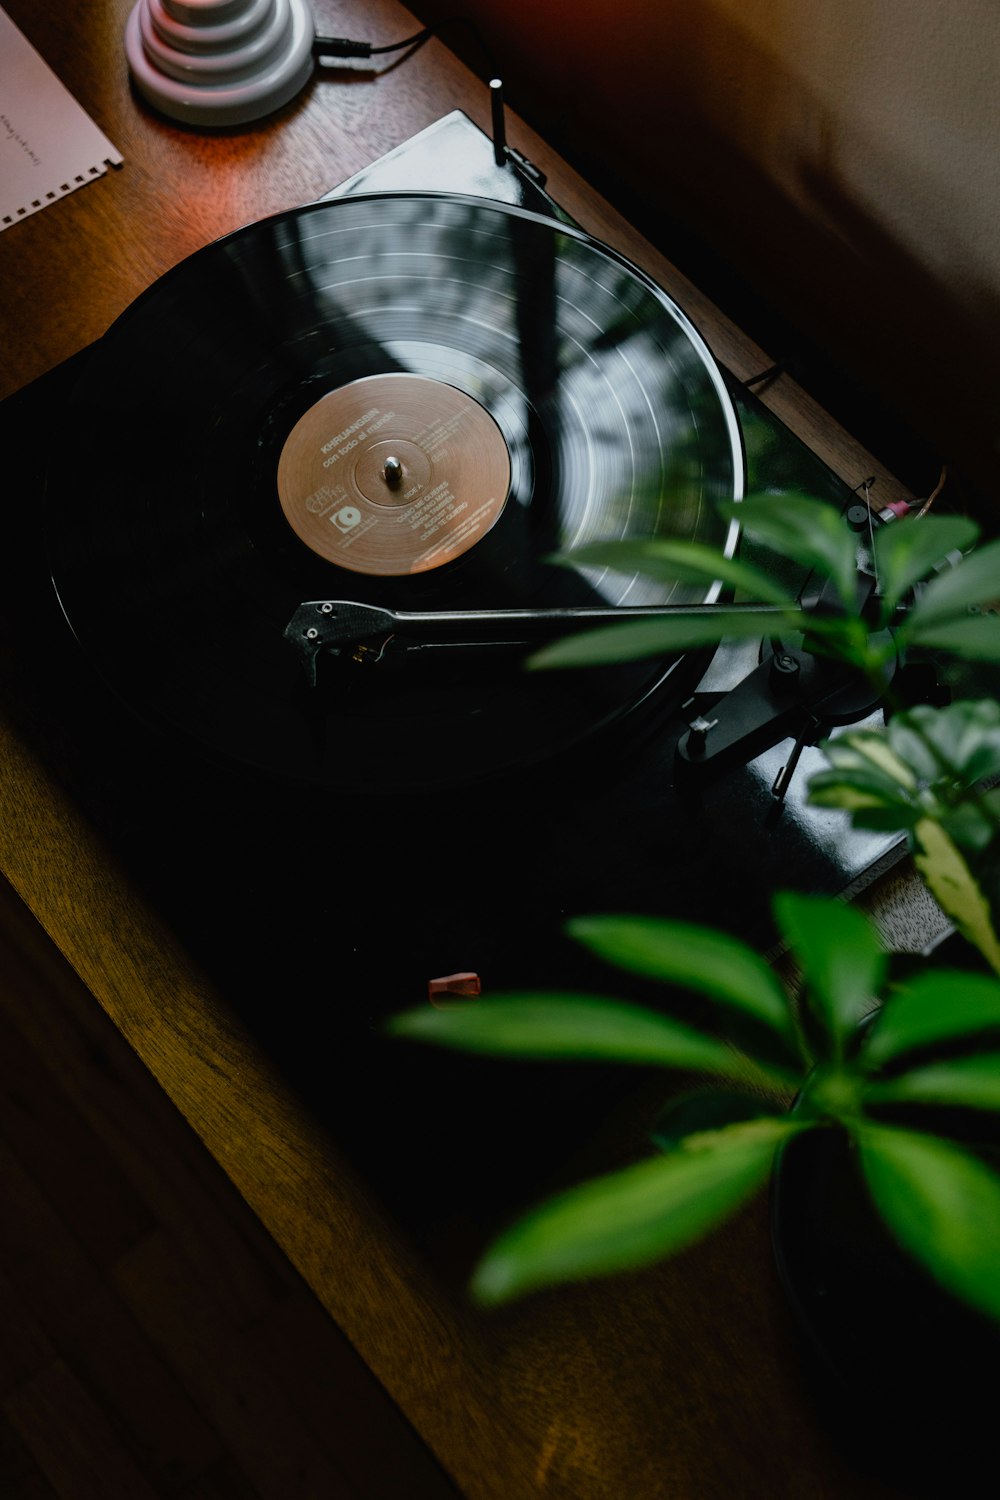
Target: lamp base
(219, 62)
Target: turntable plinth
(682, 1381)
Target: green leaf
(632, 640)
(563, 1026)
(976, 637)
(906, 553)
(865, 772)
(843, 961)
(633, 1217)
(833, 1091)
(920, 771)
(969, 1082)
(972, 827)
(864, 797)
(920, 766)
(846, 638)
(706, 1110)
(806, 530)
(868, 779)
(875, 814)
(974, 581)
(699, 958)
(965, 736)
(943, 1205)
(950, 879)
(679, 562)
(911, 737)
(872, 750)
(937, 1005)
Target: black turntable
(327, 834)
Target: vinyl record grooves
(412, 400)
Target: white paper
(49, 146)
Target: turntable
(331, 829)
(246, 934)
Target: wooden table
(680, 1382)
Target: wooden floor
(153, 1339)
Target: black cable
(411, 41)
(338, 46)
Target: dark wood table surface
(684, 1381)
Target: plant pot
(909, 1375)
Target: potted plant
(901, 1066)
(924, 1046)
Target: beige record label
(393, 474)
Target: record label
(393, 474)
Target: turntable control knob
(392, 472)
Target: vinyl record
(411, 400)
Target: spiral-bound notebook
(49, 146)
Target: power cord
(338, 46)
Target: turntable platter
(414, 400)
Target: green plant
(947, 614)
(927, 772)
(717, 1144)
(933, 1042)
